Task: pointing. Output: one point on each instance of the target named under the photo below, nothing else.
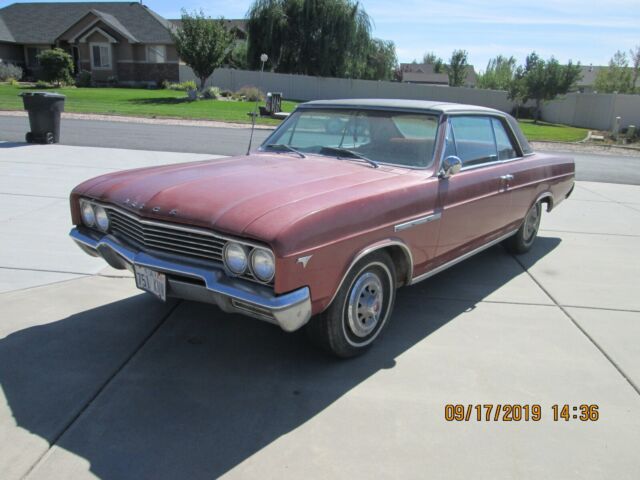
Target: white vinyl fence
(596, 111)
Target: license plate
(151, 281)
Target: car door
(522, 169)
(474, 202)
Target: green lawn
(173, 104)
(552, 132)
(143, 103)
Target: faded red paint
(333, 209)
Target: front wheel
(523, 240)
(360, 310)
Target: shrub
(56, 66)
(226, 93)
(9, 72)
(164, 84)
(251, 94)
(84, 79)
(43, 84)
(211, 93)
(184, 86)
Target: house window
(101, 55)
(156, 53)
(32, 56)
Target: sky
(588, 31)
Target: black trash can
(44, 116)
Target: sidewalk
(99, 380)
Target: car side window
(474, 140)
(505, 146)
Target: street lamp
(263, 58)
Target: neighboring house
(425, 73)
(586, 84)
(123, 42)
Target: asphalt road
(234, 141)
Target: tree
(635, 62)
(499, 73)
(380, 63)
(516, 91)
(545, 80)
(316, 37)
(617, 77)
(431, 58)
(457, 68)
(202, 43)
(56, 66)
(238, 56)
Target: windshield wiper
(351, 153)
(283, 146)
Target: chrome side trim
(363, 253)
(542, 196)
(461, 258)
(290, 311)
(417, 221)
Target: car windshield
(391, 137)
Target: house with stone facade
(118, 42)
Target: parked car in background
(343, 203)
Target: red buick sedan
(342, 204)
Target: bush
(184, 86)
(43, 84)
(251, 94)
(226, 93)
(9, 72)
(56, 66)
(84, 79)
(211, 93)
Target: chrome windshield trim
(418, 221)
(461, 258)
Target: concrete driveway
(99, 380)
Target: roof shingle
(43, 23)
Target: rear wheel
(523, 240)
(360, 310)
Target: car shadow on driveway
(14, 144)
(208, 390)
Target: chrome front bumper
(210, 285)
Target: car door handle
(507, 178)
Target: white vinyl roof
(432, 106)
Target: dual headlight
(94, 216)
(239, 258)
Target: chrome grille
(166, 237)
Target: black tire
(29, 137)
(347, 328)
(523, 240)
(49, 138)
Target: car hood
(258, 196)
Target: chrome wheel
(365, 304)
(532, 223)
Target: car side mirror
(450, 166)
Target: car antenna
(263, 58)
